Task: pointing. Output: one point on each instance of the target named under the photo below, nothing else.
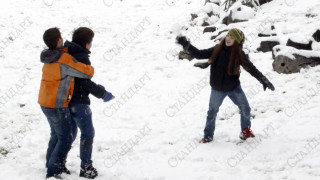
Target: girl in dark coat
(225, 60)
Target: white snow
(286, 121)
(242, 12)
(298, 38)
(289, 51)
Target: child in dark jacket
(79, 104)
(225, 60)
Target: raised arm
(198, 54)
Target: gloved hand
(108, 97)
(266, 84)
(202, 65)
(183, 41)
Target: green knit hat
(237, 35)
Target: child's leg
(52, 144)
(53, 137)
(82, 114)
(74, 128)
(216, 99)
(240, 99)
(60, 120)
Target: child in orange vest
(56, 90)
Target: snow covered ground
(151, 129)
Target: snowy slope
(150, 131)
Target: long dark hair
(236, 57)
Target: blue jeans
(82, 117)
(60, 138)
(238, 97)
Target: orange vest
(58, 74)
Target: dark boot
(89, 172)
(65, 170)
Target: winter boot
(247, 133)
(65, 170)
(205, 140)
(89, 172)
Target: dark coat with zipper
(220, 80)
(83, 87)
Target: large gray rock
(290, 60)
(286, 65)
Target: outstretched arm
(248, 66)
(198, 54)
(96, 90)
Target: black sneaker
(89, 172)
(65, 170)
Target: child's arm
(96, 90)
(198, 54)
(248, 66)
(72, 67)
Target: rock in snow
(290, 60)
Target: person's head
(234, 39)
(234, 35)
(83, 36)
(52, 38)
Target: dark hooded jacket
(220, 80)
(83, 87)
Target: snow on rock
(242, 13)
(265, 44)
(211, 8)
(271, 31)
(237, 13)
(291, 60)
(290, 51)
(316, 46)
(300, 38)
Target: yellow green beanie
(237, 35)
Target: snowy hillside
(150, 130)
